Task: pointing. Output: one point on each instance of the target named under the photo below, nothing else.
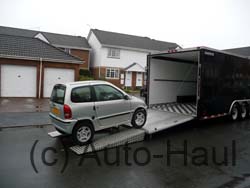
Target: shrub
(83, 78)
(84, 72)
(127, 90)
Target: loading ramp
(156, 121)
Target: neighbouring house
(121, 58)
(75, 45)
(30, 67)
(244, 51)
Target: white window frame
(112, 73)
(114, 53)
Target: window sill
(113, 57)
(108, 78)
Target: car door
(82, 103)
(111, 106)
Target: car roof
(90, 82)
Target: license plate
(55, 111)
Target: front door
(128, 79)
(138, 79)
(111, 107)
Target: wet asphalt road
(201, 137)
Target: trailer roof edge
(197, 49)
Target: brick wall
(95, 71)
(83, 55)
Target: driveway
(24, 105)
(19, 112)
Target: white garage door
(18, 81)
(54, 76)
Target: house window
(113, 53)
(112, 73)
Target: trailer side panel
(224, 78)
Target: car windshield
(58, 94)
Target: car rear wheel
(139, 118)
(83, 133)
(235, 112)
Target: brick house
(121, 58)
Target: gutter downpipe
(40, 78)
(99, 72)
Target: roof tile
(131, 41)
(18, 46)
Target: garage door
(18, 81)
(54, 76)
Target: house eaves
(38, 59)
(71, 47)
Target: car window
(106, 93)
(81, 94)
(58, 94)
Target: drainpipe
(40, 78)
(99, 72)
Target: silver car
(82, 108)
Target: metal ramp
(114, 140)
(161, 120)
(125, 136)
(156, 121)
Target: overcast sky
(214, 23)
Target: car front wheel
(139, 118)
(83, 133)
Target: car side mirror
(126, 97)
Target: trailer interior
(172, 84)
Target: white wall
(41, 37)
(95, 53)
(127, 57)
(167, 91)
(99, 56)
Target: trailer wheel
(235, 112)
(243, 111)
